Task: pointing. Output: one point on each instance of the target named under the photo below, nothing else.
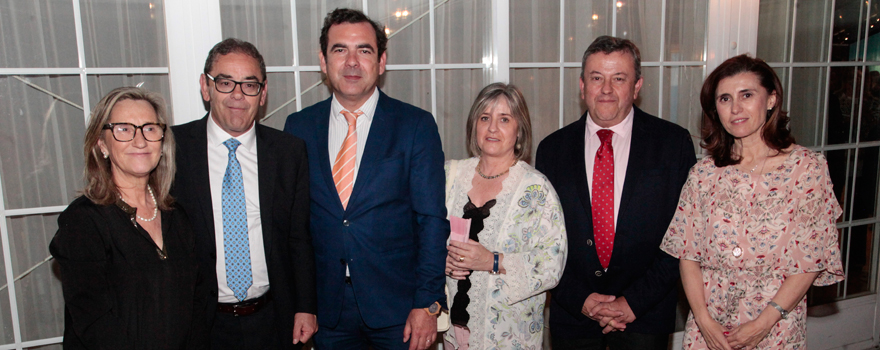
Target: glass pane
(540, 89)
(38, 294)
(317, 93)
(865, 192)
(37, 34)
(807, 112)
(774, 29)
(456, 91)
(572, 103)
(870, 122)
(686, 29)
(843, 86)
(840, 167)
(129, 33)
(463, 34)
(410, 86)
(681, 105)
(46, 347)
(264, 23)
(534, 31)
(309, 21)
(409, 45)
(811, 32)
(281, 90)
(584, 21)
(649, 95)
(42, 158)
(100, 85)
(639, 21)
(848, 30)
(858, 253)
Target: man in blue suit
(377, 199)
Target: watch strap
(782, 311)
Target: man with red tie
(618, 172)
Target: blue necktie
(236, 245)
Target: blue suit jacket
(392, 235)
(660, 156)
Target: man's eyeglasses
(224, 85)
(124, 132)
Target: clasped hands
(611, 312)
(464, 257)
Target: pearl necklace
(487, 177)
(155, 206)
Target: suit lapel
(267, 165)
(198, 166)
(379, 136)
(635, 166)
(577, 157)
(322, 135)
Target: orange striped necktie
(343, 168)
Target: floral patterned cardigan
(526, 225)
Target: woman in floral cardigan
(516, 247)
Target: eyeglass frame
(110, 126)
(237, 85)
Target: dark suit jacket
(393, 233)
(660, 156)
(284, 214)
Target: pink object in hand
(460, 228)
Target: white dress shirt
(620, 143)
(218, 158)
(339, 129)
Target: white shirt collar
(369, 107)
(216, 136)
(622, 129)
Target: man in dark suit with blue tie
(377, 199)
(618, 172)
(245, 187)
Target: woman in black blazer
(128, 269)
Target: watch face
(434, 307)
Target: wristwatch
(434, 309)
(782, 312)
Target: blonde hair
(518, 109)
(100, 187)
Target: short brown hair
(339, 16)
(233, 45)
(609, 44)
(100, 187)
(518, 109)
(716, 140)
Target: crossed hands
(745, 337)
(611, 312)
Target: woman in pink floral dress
(754, 227)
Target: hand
(476, 257)
(619, 312)
(748, 335)
(421, 328)
(304, 326)
(593, 300)
(714, 334)
(454, 272)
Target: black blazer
(660, 157)
(284, 213)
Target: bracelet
(782, 311)
(495, 264)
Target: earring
(106, 155)
(518, 145)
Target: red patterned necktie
(602, 198)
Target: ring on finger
(460, 258)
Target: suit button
(342, 261)
(345, 223)
(589, 242)
(598, 273)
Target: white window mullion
(500, 65)
(297, 77)
(195, 27)
(561, 63)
